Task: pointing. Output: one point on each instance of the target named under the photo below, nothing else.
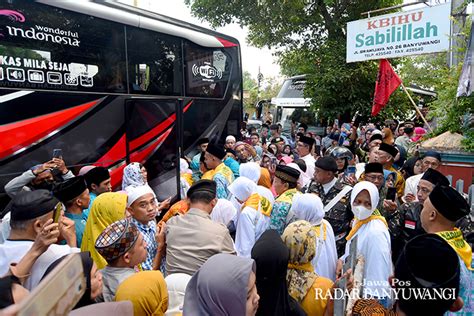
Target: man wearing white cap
(142, 205)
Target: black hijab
(6, 291)
(409, 166)
(271, 256)
(87, 264)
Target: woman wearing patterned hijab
(224, 285)
(303, 282)
(133, 175)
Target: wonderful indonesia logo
(39, 32)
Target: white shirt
(374, 245)
(14, 250)
(4, 228)
(250, 226)
(310, 166)
(329, 185)
(411, 185)
(360, 169)
(325, 260)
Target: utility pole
(259, 81)
(458, 11)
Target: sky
(252, 57)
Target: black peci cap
(449, 202)
(389, 149)
(287, 174)
(327, 163)
(202, 186)
(435, 177)
(216, 151)
(32, 204)
(373, 167)
(307, 140)
(70, 189)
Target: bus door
(152, 139)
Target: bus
(291, 106)
(111, 84)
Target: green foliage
(431, 72)
(309, 37)
(269, 88)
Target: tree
(310, 39)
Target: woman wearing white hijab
(373, 241)
(223, 212)
(254, 216)
(302, 178)
(252, 171)
(176, 284)
(309, 207)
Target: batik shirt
(223, 177)
(279, 218)
(148, 232)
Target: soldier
(386, 156)
(335, 198)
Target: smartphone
(351, 170)
(274, 161)
(391, 194)
(336, 121)
(57, 212)
(57, 153)
(57, 293)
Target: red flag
(387, 82)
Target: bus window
(207, 71)
(45, 47)
(155, 63)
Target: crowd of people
(264, 226)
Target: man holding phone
(41, 176)
(73, 193)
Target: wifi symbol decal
(206, 71)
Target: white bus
(291, 105)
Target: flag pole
(416, 108)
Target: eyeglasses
(431, 164)
(374, 178)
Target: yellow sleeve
(314, 303)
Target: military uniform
(339, 216)
(394, 222)
(394, 219)
(411, 221)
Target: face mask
(361, 212)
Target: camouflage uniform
(411, 221)
(339, 216)
(394, 222)
(394, 219)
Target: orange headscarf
(265, 179)
(178, 208)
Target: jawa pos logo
(207, 71)
(39, 32)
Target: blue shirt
(87, 210)
(148, 232)
(233, 165)
(79, 225)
